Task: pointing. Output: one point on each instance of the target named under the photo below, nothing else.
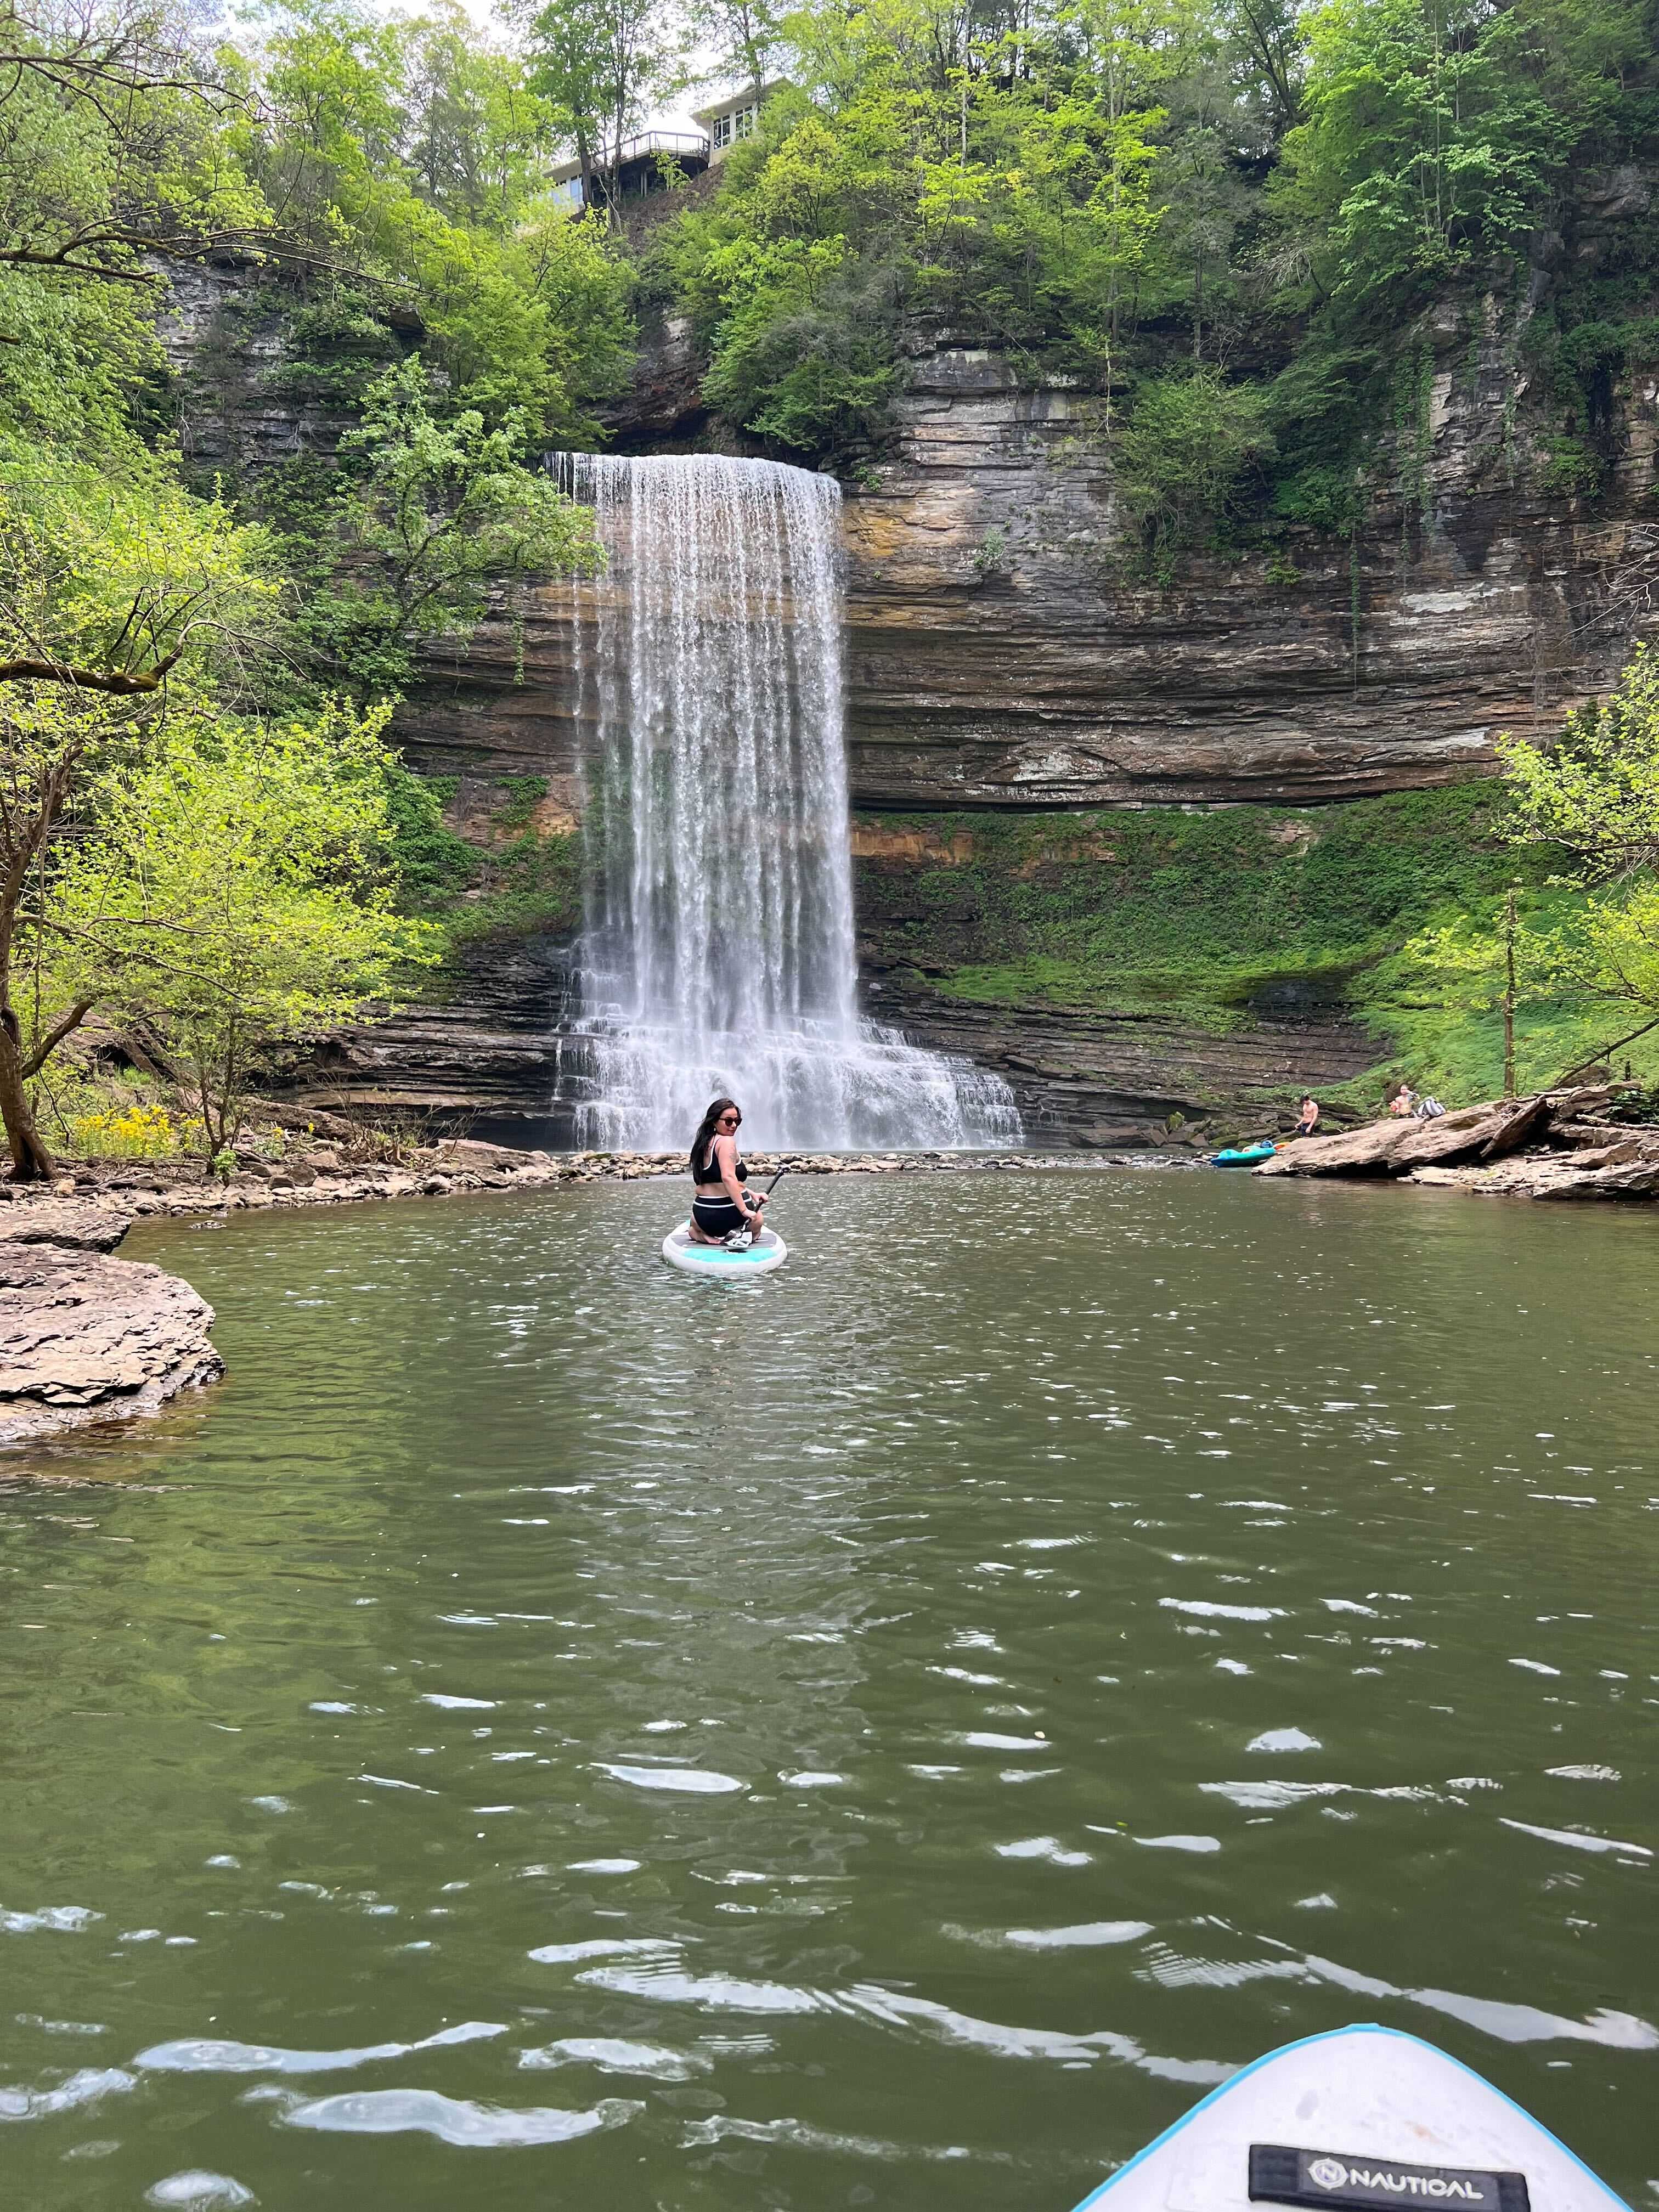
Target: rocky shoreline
(320, 1177)
(1553, 1144)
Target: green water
(547, 1731)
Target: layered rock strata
(487, 1041)
(1003, 654)
(1104, 1080)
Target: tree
(1498, 960)
(116, 597)
(427, 515)
(114, 162)
(1594, 796)
(476, 133)
(598, 64)
(107, 115)
(1593, 942)
(233, 892)
(1595, 792)
(1183, 456)
(746, 34)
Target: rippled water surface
(549, 1732)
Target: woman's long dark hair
(706, 1130)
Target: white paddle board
(768, 1252)
(1354, 2121)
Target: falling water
(719, 952)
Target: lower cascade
(718, 952)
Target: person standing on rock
(1307, 1119)
(721, 1204)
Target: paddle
(749, 1234)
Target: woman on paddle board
(721, 1204)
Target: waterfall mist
(719, 953)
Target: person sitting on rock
(1307, 1119)
(1399, 1099)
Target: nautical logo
(1326, 2181)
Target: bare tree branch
(118, 681)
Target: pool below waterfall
(549, 1731)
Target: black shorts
(718, 1217)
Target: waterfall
(718, 954)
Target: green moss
(1220, 918)
(435, 867)
(1162, 904)
(525, 884)
(533, 885)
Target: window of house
(743, 123)
(722, 130)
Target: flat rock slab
(1477, 1132)
(1369, 1150)
(77, 1225)
(86, 1337)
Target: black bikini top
(705, 1172)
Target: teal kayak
(1245, 1156)
(1359, 2119)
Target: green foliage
(1586, 957)
(231, 890)
(414, 155)
(432, 865)
(1586, 977)
(1186, 457)
(1595, 793)
(1381, 910)
(1157, 907)
(405, 539)
(965, 189)
(1228, 220)
(1570, 466)
(119, 571)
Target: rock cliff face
(1000, 657)
(1093, 1081)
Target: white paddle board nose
(1356, 2120)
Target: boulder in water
(87, 1338)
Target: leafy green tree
(426, 516)
(120, 599)
(1184, 458)
(113, 164)
(108, 142)
(1595, 792)
(233, 892)
(599, 63)
(477, 134)
(378, 149)
(1432, 131)
(746, 35)
(1592, 799)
